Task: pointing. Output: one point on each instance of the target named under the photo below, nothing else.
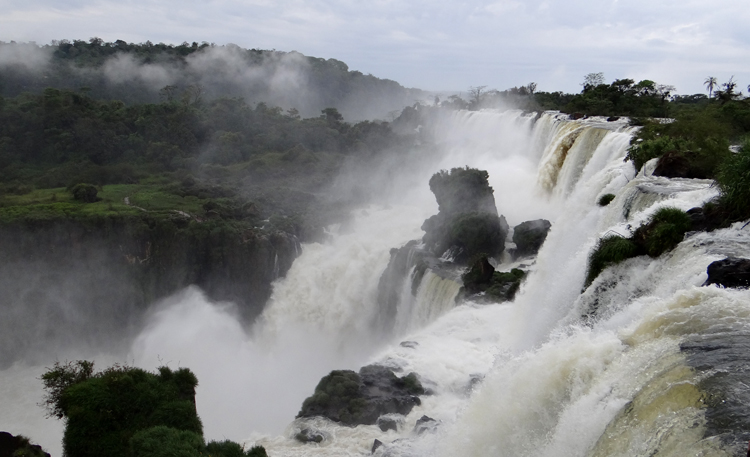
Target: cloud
(431, 44)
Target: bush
(733, 177)
(161, 441)
(477, 233)
(84, 192)
(611, 250)
(228, 448)
(105, 410)
(606, 199)
(665, 230)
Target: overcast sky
(434, 45)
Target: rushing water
(643, 362)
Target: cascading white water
(556, 372)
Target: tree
(476, 95)
(592, 80)
(710, 84)
(531, 88)
(727, 93)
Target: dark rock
(387, 423)
(463, 190)
(409, 344)
(613, 118)
(467, 222)
(681, 164)
(425, 424)
(576, 116)
(730, 272)
(361, 398)
(307, 435)
(529, 237)
(479, 276)
(375, 445)
(391, 283)
(11, 446)
(497, 286)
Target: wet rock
(375, 445)
(529, 237)
(467, 222)
(425, 424)
(361, 398)
(307, 435)
(387, 423)
(409, 344)
(11, 446)
(497, 286)
(613, 118)
(730, 272)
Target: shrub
(606, 199)
(105, 410)
(228, 448)
(665, 230)
(84, 192)
(611, 250)
(476, 233)
(161, 441)
(733, 177)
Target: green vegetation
(606, 199)
(611, 250)
(129, 412)
(463, 190)
(137, 73)
(665, 230)
(662, 233)
(733, 177)
(467, 220)
(497, 286)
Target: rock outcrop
(730, 272)
(529, 237)
(467, 222)
(361, 398)
(497, 286)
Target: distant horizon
(436, 46)
(438, 92)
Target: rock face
(119, 265)
(497, 286)
(391, 281)
(361, 398)
(11, 446)
(529, 237)
(730, 272)
(467, 222)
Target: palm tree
(710, 83)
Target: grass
(59, 203)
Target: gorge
(643, 361)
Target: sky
(432, 44)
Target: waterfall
(622, 368)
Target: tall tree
(710, 84)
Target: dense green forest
(150, 73)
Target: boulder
(731, 272)
(681, 164)
(425, 424)
(375, 445)
(361, 398)
(307, 435)
(387, 423)
(529, 237)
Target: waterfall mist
(618, 369)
